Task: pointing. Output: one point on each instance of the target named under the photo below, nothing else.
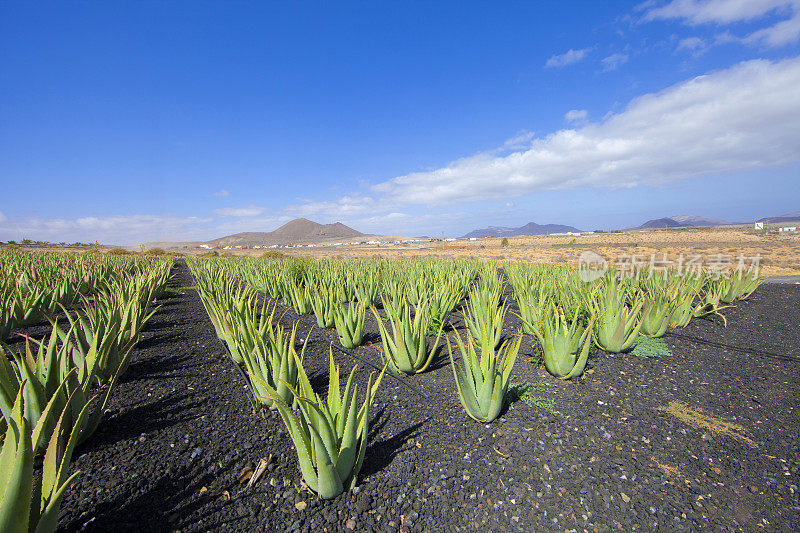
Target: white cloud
(716, 11)
(519, 141)
(113, 229)
(3, 218)
(406, 224)
(782, 33)
(247, 211)
(724, 12)
(222, 193)
(743, 117)
(576, 115)
(614, 61)
(691, 43)
(567, 58)
(344, 207)
(236, 225)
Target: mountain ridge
(531, 228)
(788, 217)
(679, 221)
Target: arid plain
(779, 254)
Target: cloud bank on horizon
(737, 118)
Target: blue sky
(127, 122)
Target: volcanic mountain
(298, 231)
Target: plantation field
(780, 254)
(695, 429)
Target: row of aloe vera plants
(36, 284)
(562, 313)
(53, 392)
(567, 315)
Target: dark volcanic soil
(180, 431)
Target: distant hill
(694, 220)
(297, 231)
(679, 221)
(689, 221)
(789, 217)
(660, 223)
(531, 228)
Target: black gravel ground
(600, 456)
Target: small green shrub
(651, 347)
(535, 395)
(504, 242)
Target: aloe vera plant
(441, 303)
(274, 361)
(484, 319)
(330, 435)
(405, 349)
(564, 344)
(683, 310)
(483, 382)
(738, 286)
(51, 374)
(617, 325)
(26, 307)
(350, 324)
(345, 291)
(656, 315)
(41, 372)
(65, 293)
(367, 291)
(113, 329)
(710, 301)
(532, 307)
(324, 305)
(225, 302)
(218, 292)
(300, 297)
(27, 502)
(6, 322)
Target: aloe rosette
(405, 349)
(483, 381)
(324, 305)
(739, 286)
(617, 325)
(350, 324)
(330, 435)
(273, 360)
(564, 344)
(683, 309)
(656, 316)
(484, 319)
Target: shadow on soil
(723, 346)
(175, 495)
(145, 418)
(159, 368)
(381, 453)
